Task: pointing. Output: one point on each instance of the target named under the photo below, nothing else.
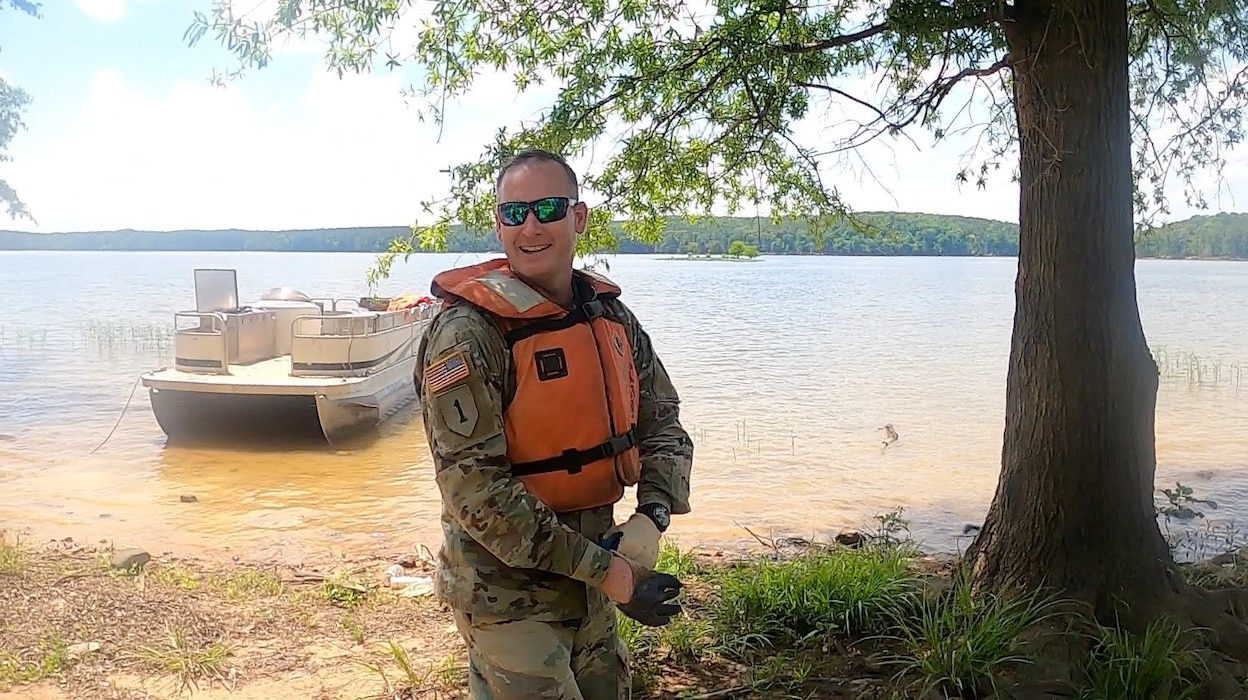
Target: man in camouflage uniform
(533, 591)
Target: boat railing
(218, 340)
(332, 304)
(354, 343)
(335, 342)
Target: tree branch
(631, 82)
(955, 23)
(908, 112)
(825, 44)
(881, 116)
(941, 88)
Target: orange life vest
(570, 426)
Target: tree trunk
(1074, 508)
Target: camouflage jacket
(504, 552)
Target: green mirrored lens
(547, 209)
(514, 212)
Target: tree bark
(1074, 507)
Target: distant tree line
(877, 233)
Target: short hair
(538, 155)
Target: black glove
(611, 541)
(651, 592)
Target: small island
(738, 251)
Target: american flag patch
(446, 372)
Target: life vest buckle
(619, 444)
(593, 309)
(574, 464)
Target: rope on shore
(119, 417)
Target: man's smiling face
(540, 253)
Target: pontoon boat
(285, 363)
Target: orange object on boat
(408, 301)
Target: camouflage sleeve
(463, 365)
(666, 450)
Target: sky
(125, 131)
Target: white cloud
(104, 10)
(199, 156)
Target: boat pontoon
(286, 363)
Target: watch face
(661, 515)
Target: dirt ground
(75, 622)
(83, 622)
(74, 625)
(79, 621)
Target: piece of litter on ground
(81, 649)
(421, 586)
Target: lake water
(788, 367)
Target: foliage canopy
(702, 101)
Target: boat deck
(270, 376)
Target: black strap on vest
(583, 313)
(572, 461)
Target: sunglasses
(547, 210)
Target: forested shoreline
(1220, 236)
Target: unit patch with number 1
(444, 381)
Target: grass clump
(766, 624)
(172, 575)
(10, 554)
(48, 658)
(438, 678)
(128, 337)
(248, 584)
(961, 643)
(818, 592)
(188, 659)
(1199, 371)
(1158, 665)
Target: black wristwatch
(657, 512)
